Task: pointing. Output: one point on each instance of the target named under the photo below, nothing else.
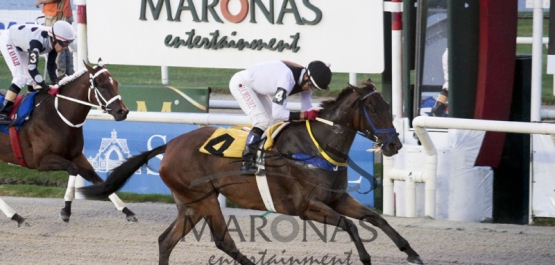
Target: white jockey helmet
(63, 33)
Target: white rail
(429, 176)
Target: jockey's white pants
(257, 106)
(17, 61)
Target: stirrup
(248, 169)
(5, 119)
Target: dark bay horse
(297, 187)
(52, 138)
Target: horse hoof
(415, 260)
(129, 215)
(20, 220)
(64, 215)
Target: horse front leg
(320, 212)
(350, 207)
(54, 162)
(86, 170)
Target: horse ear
(89, 68)
(357, 90)
(100, 62)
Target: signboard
(165, 98)
(109, 143)
(237, 33)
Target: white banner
(12, 17)
(237, 33)
(543, 186)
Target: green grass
(23, 182)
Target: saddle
(23, 107)
(231, 142)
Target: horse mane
(72, 77)
(347, 91)
(328, 103)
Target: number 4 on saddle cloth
(231, 143)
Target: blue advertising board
(109, 143)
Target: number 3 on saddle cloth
(23, 106)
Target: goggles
(63, 43)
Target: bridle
(103, 103)
(390, 132)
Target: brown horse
(298, 186)
(52, 139)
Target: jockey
(21, 46)
(262, 90)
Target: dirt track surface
(98, 234)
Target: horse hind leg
(210, 210)
(65, 213)
(10, 213)
(185, 220)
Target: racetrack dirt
(98, 234)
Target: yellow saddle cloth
(231, 142)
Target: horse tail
(119, 176)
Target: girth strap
(14, 138)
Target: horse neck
(78, 89)
(336, 140)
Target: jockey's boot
(439, 109)
(5, 112)
(249, 154)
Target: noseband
(103, 103)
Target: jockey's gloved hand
(53, 90)
(311, 114)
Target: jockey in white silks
(262, 90)
(21, 46)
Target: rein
(322, 152)
(97, 94)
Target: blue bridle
(391, 132)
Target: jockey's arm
(306, 100)
(33, 67)
(51, 65)
(280, 112)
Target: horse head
(363, 109)
(374, 120)
(106, 93)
